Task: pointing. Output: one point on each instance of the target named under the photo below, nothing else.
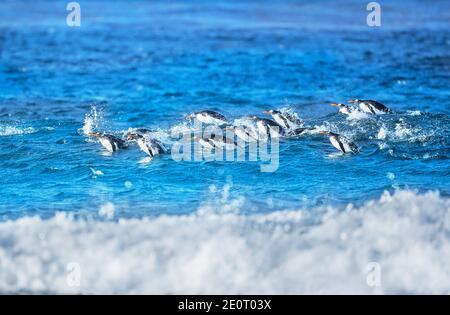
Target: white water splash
(357, 115)
(107, 211)
(381, 135)
(182, 128)
(402, 130)
(13, 131)
(304, 251)
(413, 112)
(96, 173)
(92, 120)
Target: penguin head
(338, 104)
(133, 136)
(94, 134)
(354, 101)
(190, 116)
(328, 133)
(269, 111)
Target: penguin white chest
(206, 144)
(242, 134)
(377, 111)
(143, 146)
(107, 144)
(274, 131)
(340, 145)
(369, 108)
(246, 135)
(335, 143)
(345, 110)
(365, 107)
(282, 122)
(262, 129)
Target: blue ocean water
(148, 64)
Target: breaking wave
(220, 250)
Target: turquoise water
(148, 64)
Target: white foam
(357, 115)
(402, 130)
(96, 173)
(305, 251)
(107, 211)
(414, 112)
(13, 131)
(390, 175)
(381, 135)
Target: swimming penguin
(299, 131)
(208, 117)
(345, 109)
(340, 142)
(372, 107)
(223, 142)
(137, 131)
(284, 119)
(150, 146)
(142, 131)
(216, 141)
(204, 142)
(109, 142)
(267, 127)
(245, 133)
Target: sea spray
(93, 120)
(259, 253)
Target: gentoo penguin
(299, 131)
(345, 109)
(142, 131)
(284, 119)
(208, 117)
(267, 127)
(150, 146)
(204, 142)
(372, 107)
(215, 141)
(137, 131)
(223, 142)
(340, 142)
(109, 142)
(245, 133)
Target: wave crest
(323, 250)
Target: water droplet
(128, 184)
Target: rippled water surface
(135, 64)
